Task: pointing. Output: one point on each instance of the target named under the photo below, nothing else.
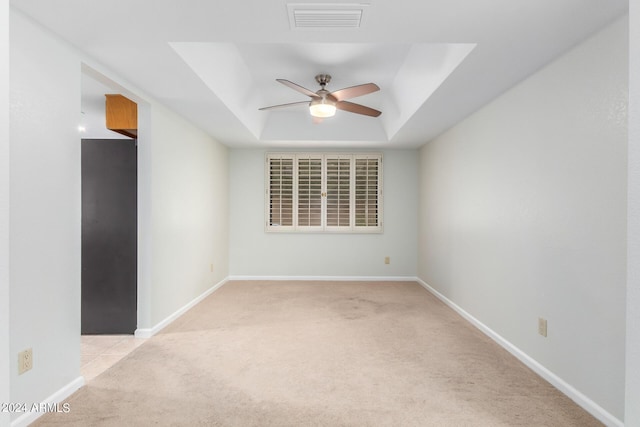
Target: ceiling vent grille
(327, 15)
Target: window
(316, 192)
(281, 192)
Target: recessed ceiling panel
(243, 76)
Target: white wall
(183, 210)
(4, 208)
(189, 195)
(632, 409)
(523, 210)
(44, 211)
(256, 253)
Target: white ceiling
(216, 62)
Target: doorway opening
(109, 288)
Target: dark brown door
(109, 236)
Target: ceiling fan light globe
(322, 109)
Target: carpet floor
(320, 354)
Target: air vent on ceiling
(325, 15)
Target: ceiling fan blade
(297, 87)
(291, 104)
(357, 108)
(354, 91)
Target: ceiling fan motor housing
(323, 79)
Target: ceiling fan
(323, 103)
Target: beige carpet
(320, 354)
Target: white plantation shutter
(280, 191)
(338, 191)
(367, 194)
(310, 192)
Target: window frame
(323, 227)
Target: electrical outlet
(387, 260)
(25, 361)
(212, 267)
(542, 326)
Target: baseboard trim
(587, 404)
(57, 397)
(329, 278)
(149, 332)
